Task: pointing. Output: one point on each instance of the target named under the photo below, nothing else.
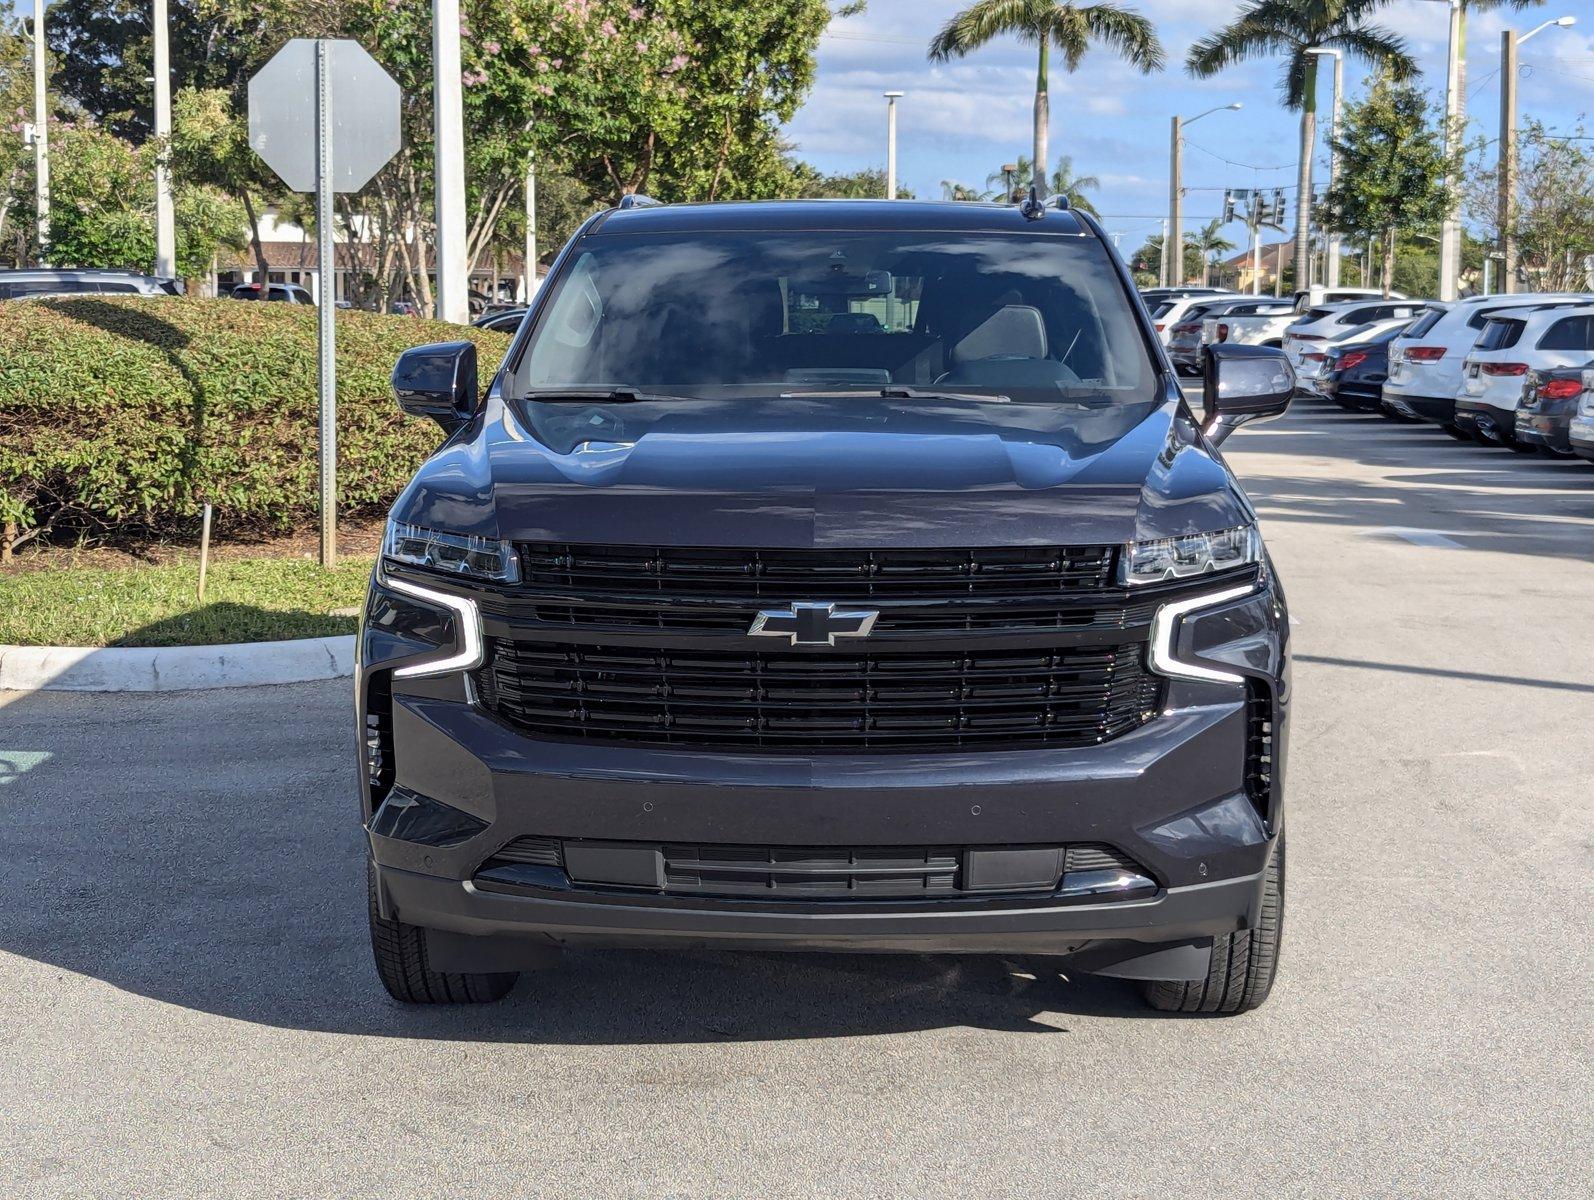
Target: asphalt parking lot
(187, 1004)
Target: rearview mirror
(1244, 384)
(438, 381)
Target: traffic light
(1228, 205)
(1278, 205)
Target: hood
(794, 474)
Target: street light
(41, 137)
(1331, 256)
(448, 132)
(1173, 243)
(891, 144)
(1508, 143)
(165, 220)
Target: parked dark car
(503, 320)
(1550, 400)
(1354, 374)
(717, 622)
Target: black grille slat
(820, 701)
(1259, 747)
(806, 872)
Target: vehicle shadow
(202, 849)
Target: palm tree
(951, 189)
(1065, 183)
(1209, 241)
(1070, 26)
(1293, 28)
(1062, 183)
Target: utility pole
(41, 136)
(448, 102)
(531, 228)
(1172, 250)
(891, 144)
(1508, 146)
(165, 220)
(1450, 230)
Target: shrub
(128, 415)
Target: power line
(1233, 163)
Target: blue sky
(963, 120)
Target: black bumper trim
(1200, 910)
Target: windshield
(719, 315)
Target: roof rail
(638, 200)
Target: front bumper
(1174, 795)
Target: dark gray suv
(829, 576)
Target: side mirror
(438, 381)
(1244, 384)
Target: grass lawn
(246, 600)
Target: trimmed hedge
(126, 415)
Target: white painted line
(1417, 537)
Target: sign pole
(326, 304)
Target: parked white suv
(1321, 327)
(1257, 321)
(1165, 314)
(1512, 344)
(1425, 361)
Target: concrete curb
(173, 668)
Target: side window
(1500, 335)
(1360, 316)
(107, 286)
(1569, 333)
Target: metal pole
(1173, 249)
(1256, 249)
(1331, 269)
(1508, 158)
(41, 136)
(453, 297)
(891, 144)
(531, 228)
(326, 304)
(1450, 231)
(165, 220)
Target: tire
(1243, 964)
(400, 952)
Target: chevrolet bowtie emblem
(814, 624)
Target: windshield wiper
(619, 394)
(900, 392)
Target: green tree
(868, 184)
(1392, 168)
(1070, 27)
(1147, 261)
(16, 160)
(1292, 29)
(1063, 182)
(951, 189)
(103, 206)
(1211, 243)
(1552, 212)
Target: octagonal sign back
(364, 110)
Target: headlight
(1192, 554)
(456, 553)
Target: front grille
(703, 590)
(684, 573)
(824, 701)
(378, 738)
(816, 872)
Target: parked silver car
(42, 281)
